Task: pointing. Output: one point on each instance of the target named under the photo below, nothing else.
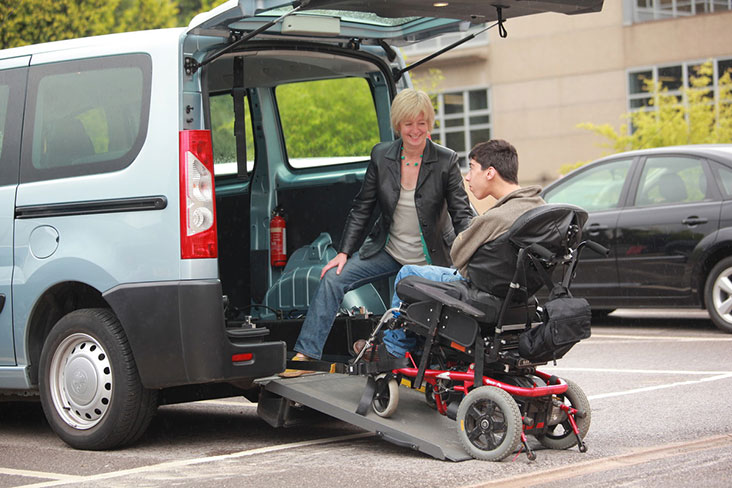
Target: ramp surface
(415, 424)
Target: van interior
(311, 116)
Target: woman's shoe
(294, 373)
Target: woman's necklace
(406, 163)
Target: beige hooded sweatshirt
(494, 222)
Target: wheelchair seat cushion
(460, 295)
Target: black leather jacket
(439, 192)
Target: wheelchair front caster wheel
(386, 397)
(489, 423)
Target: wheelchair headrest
(557, 227)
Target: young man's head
(493, 169)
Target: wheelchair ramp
(415, 424)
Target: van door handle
(595, 229)
(694, 220)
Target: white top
(405, 241)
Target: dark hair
(501, 155)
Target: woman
(416, 186)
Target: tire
(489, 423)
(90, 389)
(386, 397)
(718, 294)
(561, 436)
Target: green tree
(328, 118)
(187, 9)
(694, 118)
(35, 21)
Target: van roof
(122, 38)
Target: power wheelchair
(474, 363)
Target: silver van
(139, 175)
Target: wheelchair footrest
(381, 366)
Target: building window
(645, 10)
(463, 120)
(675, 78)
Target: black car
(666, 216)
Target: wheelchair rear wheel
(489, 423)
(386, 398)
(560, 436)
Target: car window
(724, 177)
(596, 188)
(4, 96)
(86, 116)
(12, 85)
(667, 180)
(327, 121)
(222, 134)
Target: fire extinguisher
(277, 239)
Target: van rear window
(328, 121)
(86, 116)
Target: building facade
(554, 72)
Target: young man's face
(479, 179)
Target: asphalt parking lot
(658, 382)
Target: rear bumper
(177, 335)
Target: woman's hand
(339, 260)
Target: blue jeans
(328, 298)
(399, 341)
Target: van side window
(222, 134)
(86, 116)
(12, 84)
(328, 121)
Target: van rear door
(397, 21)
(12, 96)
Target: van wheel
(718, 294)
(90, 389)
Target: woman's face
(414, 132)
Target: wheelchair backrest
(556, 227)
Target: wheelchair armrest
(446, 299)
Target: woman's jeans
(398, 341)
(328, 297)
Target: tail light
(197, 209)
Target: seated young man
(493, 172)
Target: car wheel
(90, 389)
(718, 294)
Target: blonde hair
(408, 105)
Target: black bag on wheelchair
(565, 322)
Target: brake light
(197, 209)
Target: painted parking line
(39, 474)
(708, 377)
(713, 338)
(172, 465)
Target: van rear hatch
(397, 21)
